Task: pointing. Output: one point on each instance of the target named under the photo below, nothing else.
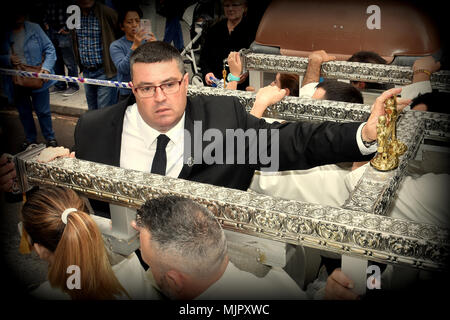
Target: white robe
(236, 284)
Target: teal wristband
(230, 77)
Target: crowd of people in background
(109, 32)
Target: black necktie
(160, 159)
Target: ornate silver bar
(295, 108)
(344, 231)
(375, 190)
(437, 125)
(343, 70)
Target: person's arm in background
(423, 68)
(235, 65)
(7, 174)
(265, 97)
(48, 50)
(315, 60)
(120, 55)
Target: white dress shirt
(236, 284)
(139, 144)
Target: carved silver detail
(340, 230)
(343, 70)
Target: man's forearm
(258, 109)
(312, 73)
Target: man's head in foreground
(183, 244)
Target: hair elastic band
(66, 213)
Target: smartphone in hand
(146, 25)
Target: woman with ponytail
(68, 239)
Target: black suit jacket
(302, 144)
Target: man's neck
(204, 285)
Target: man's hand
(7, 174)
(44, 71)
(207, 78)
(339, 287)
(265, 97)
(15, 60)
(315, 60)
(369, 131)
(51, 153)
(140, 36)
(320, 56)
(235, 63)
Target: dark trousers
(174, 33)
(98, 97)
(64, 57)
(26, 100)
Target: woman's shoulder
(120, 43)
(31, 25)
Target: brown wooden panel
(339, 27)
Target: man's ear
(186, 78)
(176, 281)
(288, 92)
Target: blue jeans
(26, 100)
(64, 56)
(99, 96)
(174, 33)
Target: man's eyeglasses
(168, 88)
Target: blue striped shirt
(90, 41)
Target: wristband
(369, 144)
(366, 143)
(230, 78)
(422, 71)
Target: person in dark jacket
(232, 33)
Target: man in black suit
(164, 118)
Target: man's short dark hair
(157, 51)
(183, 230)
(370, 57)
(367, 57)
(340, 91)
(290, 81)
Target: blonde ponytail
(77, 243)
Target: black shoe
(55, 89)
(70, 91)
(26, 144)
(52, 143)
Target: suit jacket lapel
(188, 126)
(116, 129)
